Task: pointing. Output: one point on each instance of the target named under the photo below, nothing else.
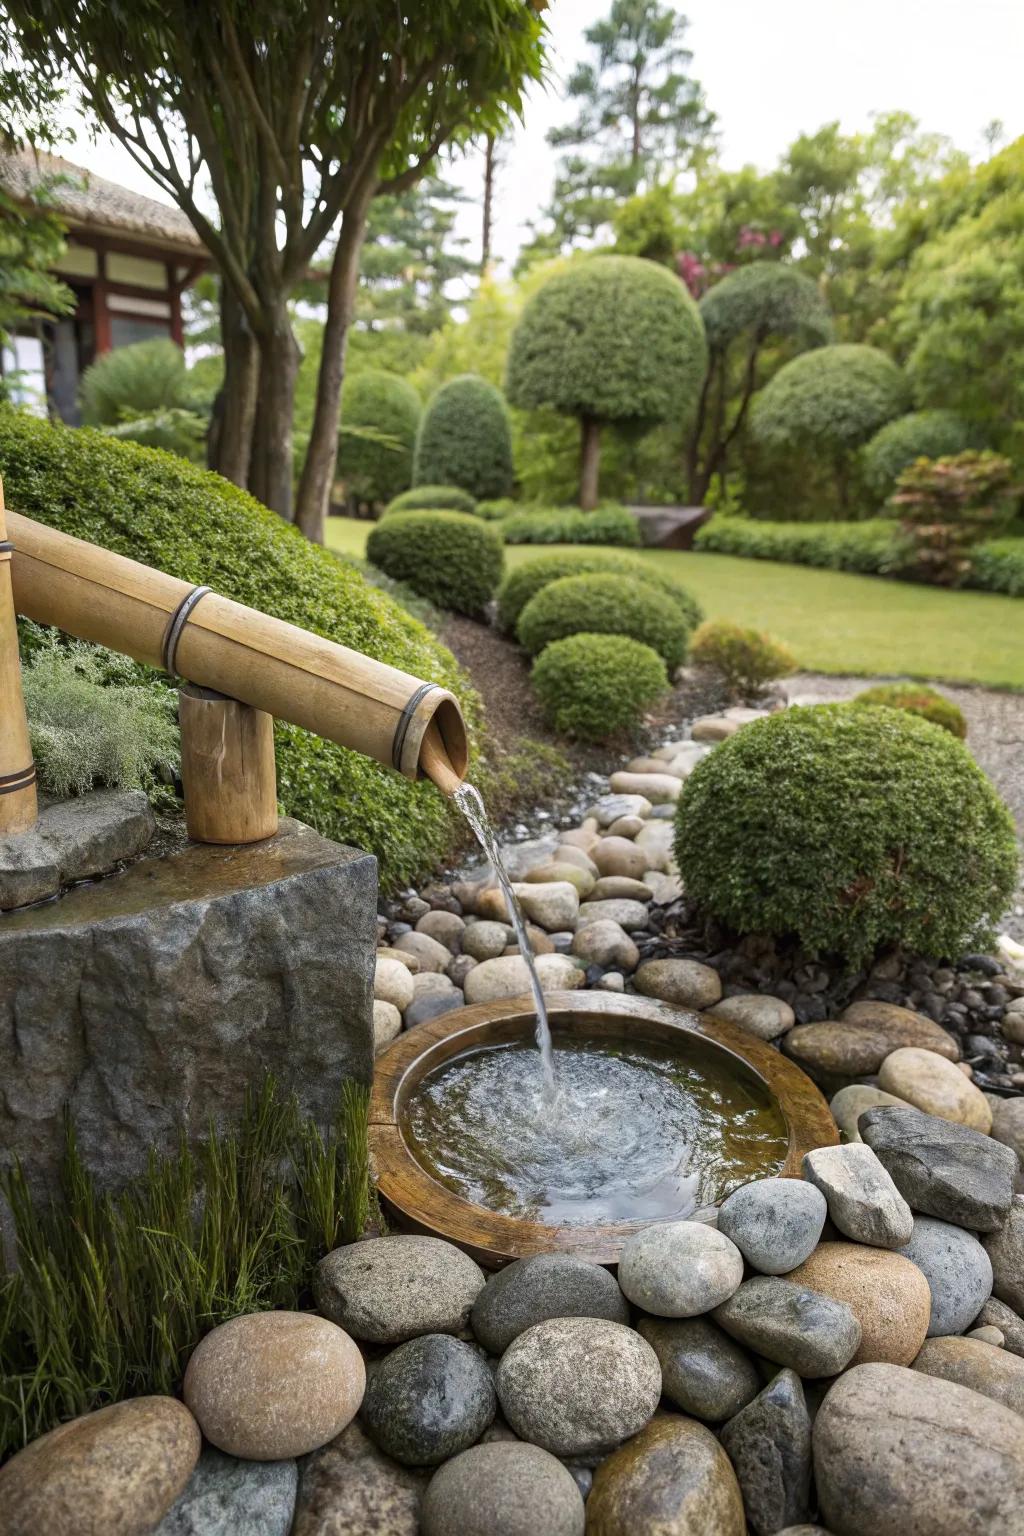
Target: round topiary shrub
(525, 580)
(592, 686)
(745, 659)
(833, 398)
(920, 435)
(450, 557)
(849, 829)
(605, 605)
(432, 498)
(917, 699)
(379, 416)
(465, 439)
(193, 524)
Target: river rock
(428, 1399)
(272, 1385)
(491, 905)
(431, 984)
(578, 1386)
(714, 728)
(392, 983)
(486, 941)
(928, 1082)
(568, 853)
(631, 915)
(493, 981)
(610, 808)
(760, 1015)
(1008, 1124)
(887, 1294)
(703, 1371)
(545, 1285)
(805, 1330)
(618, 888)
(997, 1314)
(560, 873)
(679, 1268)
(350, 1487)
(385, 952)
(658, 788)
(958, 1271)
(626, 826)
(897, 1453)
(228, 1497)
(775, 1223)
(863, 1201)
(837, 1050)
(115, 1472)
(506, 1488)
(585, 838)
(769, 1445)
(989, 1335)
(993, 1372)
(553, 906)
(648, 765)
(672, 1479)
(664, 888)
(901, 1026)
(850, 1103)
(387, 1289)
(687, 983)
(432, 1005)
(431, 955)
(460, 969)
(941, 1168)
(605, 943)
(1006, 1250)
(445, 927)
(387, 1023)
(619, 857)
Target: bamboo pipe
(214, 642)
(227, 768)
(19, 809)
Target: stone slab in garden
(74, 840)
(148, 1001)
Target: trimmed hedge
(850, 830)
(592, 686)
(917, 699)
(920, 435)
(452, 558)
(833, 398)
(465, 439)
(375, 470)
(998, 566)
(522, 583)
(432, 498)
(189, 522)
(605, 605)
(745, 659)
(568, 525)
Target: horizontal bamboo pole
(19, 808)
(277, 667)
(227, 768)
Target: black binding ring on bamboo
(10, 782)
(405, 720)
(179, 618)
(6, 549)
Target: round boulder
(117, 1470)
(620, 856)
(428, 1399)
(607, 944)
(272, 1385)
(388, 1289)
(687, 983)
(703, 1371)
(506, 1488)
(486, 941)
(775, 1223)
(495, 980)
(985, 1368)
(932, 1083)
(578, 1386)
(760, 1015)
(672, 1479)
(679, 1268)
(887, 1294)
(540, 1287)
(392, 983)
(958, 1271)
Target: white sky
(771, 69)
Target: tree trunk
(485, 244)
(590, 462)
(271, 468)
(318, 470)
(229, 445)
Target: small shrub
(147, 376)
(91, 721)
(566, 525)
(745, 659)
(593, 686)
(921, 435)
(451, 558)
(998, 566)
(380, 413)
(498, 507)
(949, 505)
(917, 699)
(849, 829)
(432, 498)
(606, 605)
(524, 581)
(465, 439)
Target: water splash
(472, 807)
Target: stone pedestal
(148, 1001)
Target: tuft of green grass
(113, 1292)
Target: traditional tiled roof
(87, 201)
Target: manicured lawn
(833, 622)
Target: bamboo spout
(18, 805)
(215, 643)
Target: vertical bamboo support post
(19, 809)
(227, 768)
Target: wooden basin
(418, 1202)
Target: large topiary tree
(615, 339)
(920, 435)
(379, 416)
(829, 402)
(465, 439)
